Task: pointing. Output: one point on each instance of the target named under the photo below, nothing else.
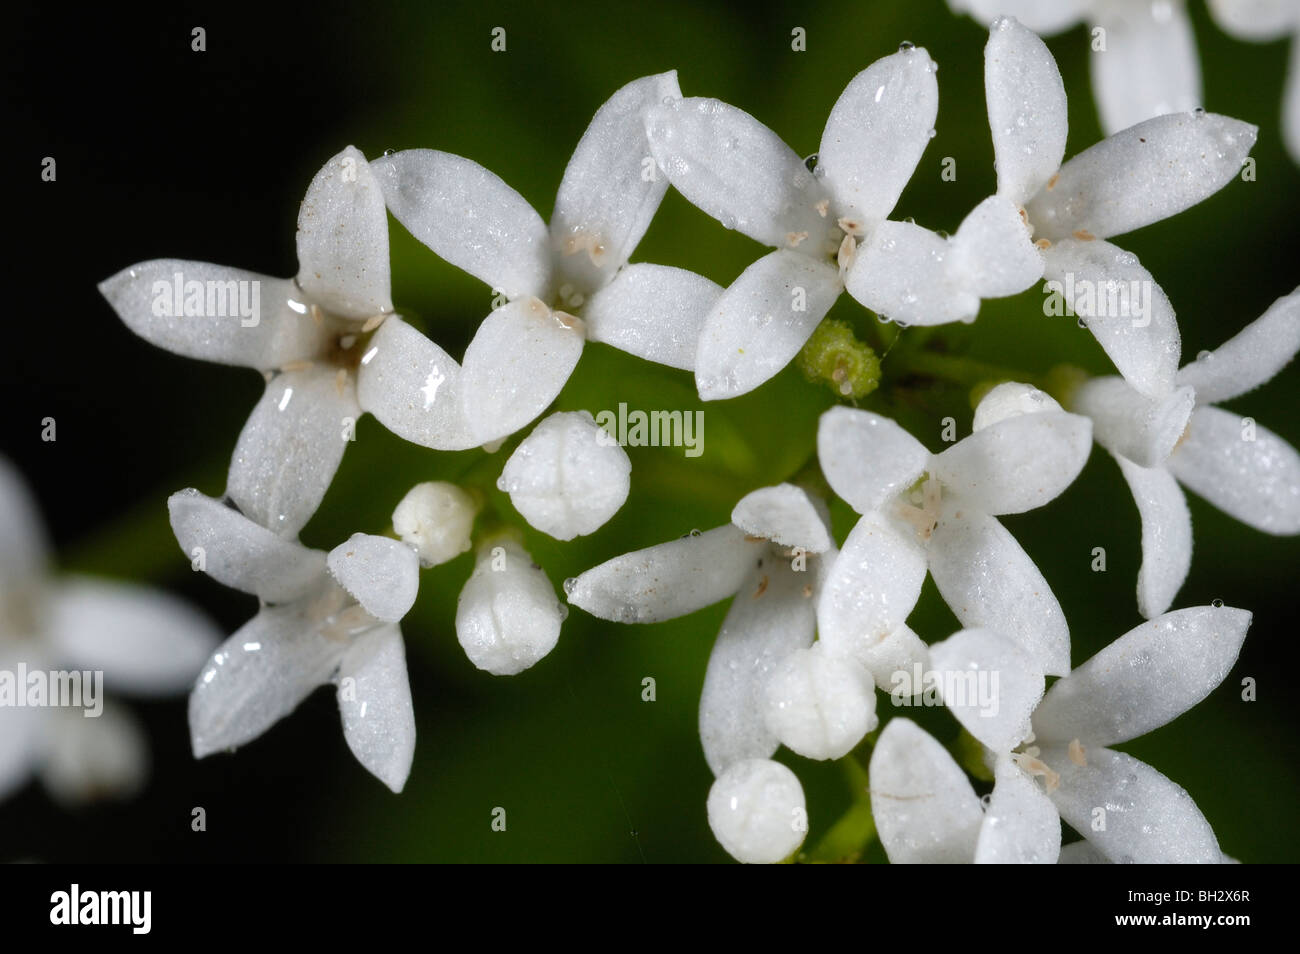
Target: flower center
(920, 506)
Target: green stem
(850, 836)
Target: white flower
(926, 810)
(436, 519)
(1138, 176)
(769, 558)
(568, 477)
(1148, 65)
(740, 172)
(324, 618)
(756, 811)
(578, 267)
(306, 334)
(937, 511)
(507, 616)
(1263, 21)
(145, 643)
(1180, 436)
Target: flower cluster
(814, 629)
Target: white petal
(382, 574)
(1150, 66)
(230, 316)
(1244, 469)
(23, 546)
(1256, 20)
(1122, 306)
(731, 166)
(1146, 678)
(1027, 111)
(1249, 358)
(1166, 535)
(759, 323)
(871, 586)
(235, 551)
(925, 809)
(568, 477)
(899, 652)
(343, 239)
(1082, 853)
(1017, 464)
(903, 272)
(876, 133)
(818, 704)
(258, 676)
(990, 685)
(1011, 399)
(1143, 174)
(290, 448)
(757, 812)
(507, 616)
(1149, 819)
(769, 618)
(1144, 430)
(867, 458)
(1044, 17)
(469, 217)
(783, 514)
(413, 388)
(516, 364)
(605, 202)
(375, 705)
(437, 519)
(991, 255)
(145, 641)
(1021, 825)
(654, 312)
(989, 581)
(87, 759)
(667, 580)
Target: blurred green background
(165, 152)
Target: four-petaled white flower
(926, 810)
(1065, 212)
(324, 618)
(1143, 54)
(144, 642)
(937, 511)
(563, 284)
(1180, 436)
(823, 225)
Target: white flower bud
(757, 811)
(436, 518)
(568, 477)
(820, 704)
(1011, 399)
(507, 617)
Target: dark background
(165, 152)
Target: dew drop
(728, 222)
(810, 163)
(1205, 356)
(1199, 112)
(1217, 604)
(909, 220)
(1082, 323)
(986, 799)
(390, 152)
(932, 133)
(671, 101)
(907, 46)
(570, 585)
(563, 610)
(501, 482)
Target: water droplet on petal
(570, 585)
(907, 46)
(564, 611)
(390, 152)
(1217, 604)
(1199, 112)
(728, 221)
(985, 799)
(932, 133)
(1082, 323)
(1205, 356)
(810, 163)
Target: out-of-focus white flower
(563, 284)
(1052, 219)
(1180, 436)
(770, 559)
(436, 518)
(1143, 52)
(145, 642)
(309, 335)
(1264, 21)
(740, 172)
(756, 811)
(937, 511)
(325, 618)
(507, 616)
(567, 477)
(926, 810)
